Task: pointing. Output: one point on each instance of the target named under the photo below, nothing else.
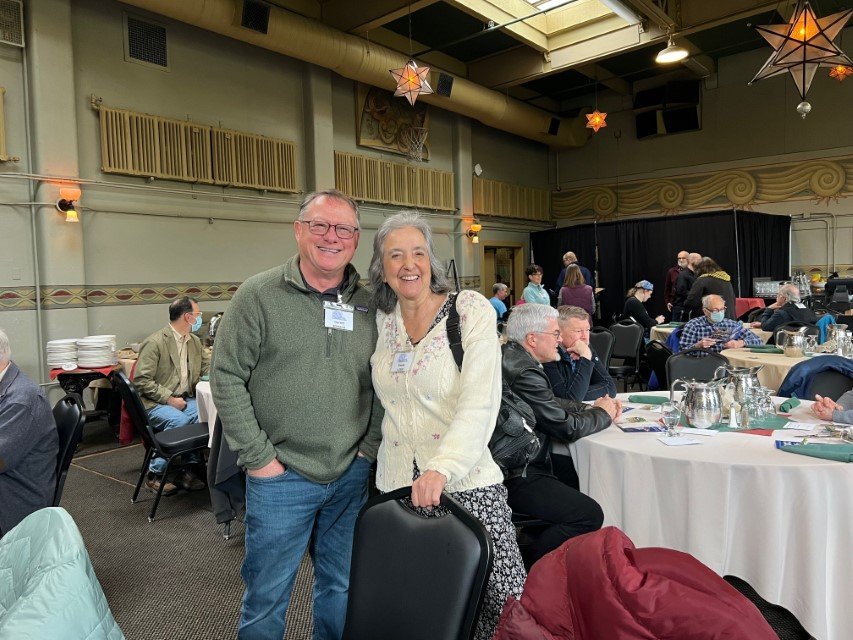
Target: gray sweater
(845, 414)
(287, 387)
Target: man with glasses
(291, 382)
(579, 374)
(713, 331)
(534, 336)
(170, 363)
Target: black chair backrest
(69, 418)
(602, 340)
(691, 365)
(830, 384)
(135, 409)
(416, 577)
(628, 337)
(657, 353)
(748, 315)
(842, 319)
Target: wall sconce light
(474, 231)
(66, 203)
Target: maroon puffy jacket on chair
(600, 587)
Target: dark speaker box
(649, 98)
(554, 127)
(445, 85)
(683, 92)
(647, 124)
(681, 119)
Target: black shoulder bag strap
(454, 332)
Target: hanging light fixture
(840, 72)
(801, 46)
(597, 119)
(411, 79)
(672, 52)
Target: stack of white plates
(62, 352)
(96, 351)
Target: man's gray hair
(706, 300)
(5, 348)
(498, 286)
(328, 193)
(567, 312)
(791, 292)
(383, 296)
(529, 318)
(570, 255)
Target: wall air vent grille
(376, 180)
(146, 42)
(493, 198)
(256, 16)
(12, 22)
(139, 144)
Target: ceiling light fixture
(411, 80)
(840, 72)
(672, 52)
(596, 120)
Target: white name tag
(799, 305)
(337, 315)
(402, 362)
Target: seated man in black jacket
(787, 308)
(534, 334)
(579, 374)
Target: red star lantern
(596, 120)
(802, 45)
(411, 81)
(840, 72)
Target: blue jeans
(164, 417)
(283, 515)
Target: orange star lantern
(840, 72)
(411, 81)
(596, 120)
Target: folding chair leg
(142, 473)
(160, 490)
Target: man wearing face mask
(714, 332)
(171, 361)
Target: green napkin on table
(670, 325)
(204, 378)
(767, 422)
(838, 452)
(648, 399)
(789, 404)
(767, 348)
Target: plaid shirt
(722, 331)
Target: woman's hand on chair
(426, 490)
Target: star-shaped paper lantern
(411, 81)
(802, 45)
(596, 120)
(840, 72)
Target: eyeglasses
(320, 228)
(556, 334)
(715, 310)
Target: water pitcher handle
(722, 368)
(672, 388)
(781, 338)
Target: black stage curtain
(745, 244)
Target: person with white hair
(499, 293)
(534, 335)
(787, 308)
(569, 258)
(713, 331)
(29, 444)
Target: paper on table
(699, 432)
(678, 442)
(802, 426)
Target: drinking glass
(671, 415)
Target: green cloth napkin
(204, 378)
(838, 452)
(648, 399)
(670, 325)
(767, 348)
(789, 404)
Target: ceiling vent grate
(146, 42)
(256, 16)
(12, 22)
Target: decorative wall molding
(76, 297)
(745, 188)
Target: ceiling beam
(604, 77)
(347, 15)
(435, 59)
(531, 32)
(390, 16)
(655, 11)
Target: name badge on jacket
(337, 315)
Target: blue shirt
(536, 294)
(723, 331)
(499, 306)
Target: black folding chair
(601, 340)
(694, 364)
(628, 340)
(167, 444)
(657, 353)
(69, 418)
(830, 384)
(445, 560)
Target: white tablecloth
(206, 408)
(780, 521)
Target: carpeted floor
(175, 578)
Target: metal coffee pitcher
(792, 342)
(702, 402)
(743, 379)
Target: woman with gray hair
(438, 419)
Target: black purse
(514, 443)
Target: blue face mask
(197, 324)
(717, 316)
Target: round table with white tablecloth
(781, 522)
(775, 365)
(661, 333)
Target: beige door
(503, 263)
